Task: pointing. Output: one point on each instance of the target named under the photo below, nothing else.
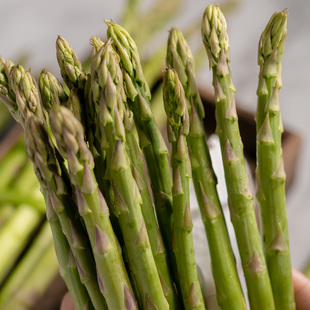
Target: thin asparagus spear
(112, 276)
(151, 140)
(178, 128)
(270, 169)
(107, 84)
(41, 151)
(229, 293)
(240, 198)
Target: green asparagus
(112, 276)
(270, 168)
(229, 293)
(240, 198)
(183, 246)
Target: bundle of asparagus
(123, 238)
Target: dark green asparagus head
(51, 90)
(271, 44)
(130, 59)
(27, 94)
(175, 104)
(180, 58)
(70, 66)
(214, 35)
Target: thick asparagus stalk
(240, 198)
(151, 140)
(270, 169)
(178, 128)
(112, 276)
(229, 293)
(107, 85)
(41, 151)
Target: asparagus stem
(270, 170)
(67, 264)
(178, 126)
(151, 140)
(109, 88)
(112, 276)
(229, 292)
(15, 234)
(240, 198)
(40, 150)
(33, 265)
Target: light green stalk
(41, 151)
(229, 292)
(240, 198)
(107, 85)
(15, 234)
(67, 264)
(270, 168)
(150, 138)
(40, 252)
(112, 276)
(183, 246)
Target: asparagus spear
(178, 128)
(111, 272)
(107, 85)
(240, 198)
(42, 153)
(270, 169)
(14, 290)
(229, 293)
(151, 140)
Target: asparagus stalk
(15, 234)
(107, 85)
(240, 198)
(14, 290)
(229, 293)
(42, 153)
(178, 128)
(67, 264)
(112, 276)
(151, 140)
(270, 169)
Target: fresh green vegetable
(240, 198)
(229, 293)
(270, 167)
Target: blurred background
(29, 28)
